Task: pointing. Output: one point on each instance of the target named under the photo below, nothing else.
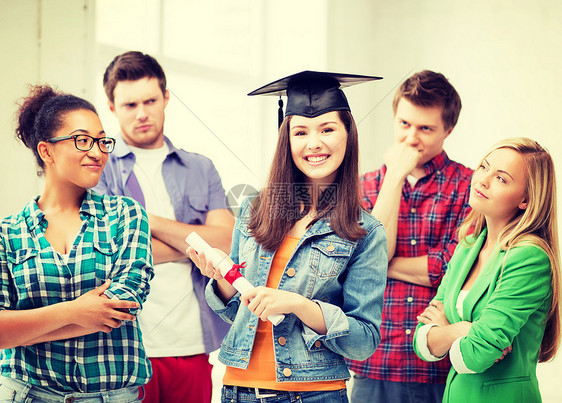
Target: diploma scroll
(227, 268)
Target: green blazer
(508, 308)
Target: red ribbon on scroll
(234, 273)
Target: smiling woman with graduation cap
(312, 252)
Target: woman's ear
(523, 204)
(44, 150)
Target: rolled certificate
(227, 268)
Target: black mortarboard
(312, 93)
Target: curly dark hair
(40, 115)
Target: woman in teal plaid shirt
(75, 268)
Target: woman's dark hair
(41, 114)
(286, 198)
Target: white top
(460, 301)
(170, 319)
(65, 257)
(412, 180)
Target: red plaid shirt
(429, 215)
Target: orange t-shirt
(261, 369)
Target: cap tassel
(280, 116)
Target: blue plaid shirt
(113, 242)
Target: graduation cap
(312, 93)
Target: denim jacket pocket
(248, 248)
(329, 257)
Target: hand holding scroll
(220, 266)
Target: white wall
(503, 57)
(20, 55)
(41, 41)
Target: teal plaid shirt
(113, 242)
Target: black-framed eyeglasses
(83, 142)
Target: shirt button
(413, 242)
(438, 172)
(408, 331)
(69, 400)
(291, 272)
(287, 372)
(281, 340)
(413, 210)
(330, 248)
(317, 343)
(409, 299)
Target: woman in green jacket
(496, 312)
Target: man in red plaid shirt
(421, 197)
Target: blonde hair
(535, 225)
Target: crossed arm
(90, 313)
(99, 310)
(168, 236)
(441, 337)
(400, 160)
(426, 270)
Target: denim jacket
(346, 279)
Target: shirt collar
(122, 150)
(437, 163)
(92, 205)
(33, 214)
(181, 156)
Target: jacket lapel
(482, 283)
(465, 261)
